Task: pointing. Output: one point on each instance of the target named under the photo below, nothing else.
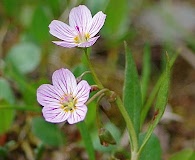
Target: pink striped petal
(96, 23)
(80, 18)
(65, 44)
(64, 81)
(78, 115)
(62, 31)
(82, 92)
(46, 94)
(54, 115)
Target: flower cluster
(65, 99)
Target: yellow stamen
(76, 39)
(68, 103)
(81, 38)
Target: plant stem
(130, 128)
(97, 81)
(97, 95)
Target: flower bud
(106, 137)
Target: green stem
(97, 81)
(99, 93)
(98, 121)
(130, 128)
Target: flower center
(68, 103)
(81, 37)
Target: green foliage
(186, 154)
(155, 90)
(48, 133)
(95, 5)
(6, 91)
(24, 56)
(146, 71)
(116, 135)
(116, 22)
(6, 115)
(40, 22)
(152, 149)
(132, 98)
(87, 140)
(11, 7)
(161, 102)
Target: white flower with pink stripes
(82, 28)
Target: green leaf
(11, 7)
(48, 133)
(6, 91)
(96, 5)
(146, 71)
(161, 102)
(132, 98)
(154, 92)
(87, 140)
(152, 149)
(24, 85)
(6, 116)
(24, 56)
(116, 23)
(40, 22)
(186, 154)
(54, 6)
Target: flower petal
(96, 23)
(64, 81)
(54, 114)
(62, 31)
(78, 115)
(82, 92)
(80, 18)
(89, 43)
(46, 94)
(65, 44)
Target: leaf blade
(87, 140)
(146, 71)
(131, 91)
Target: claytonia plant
(82, 28)
(65, 99)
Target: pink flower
(81, 30)
(65, 99)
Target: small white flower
(81, 30)
(65, 99)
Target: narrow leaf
(87, 140)
(131, 92)
(146, 71)
(161, 102)
(154, 92)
